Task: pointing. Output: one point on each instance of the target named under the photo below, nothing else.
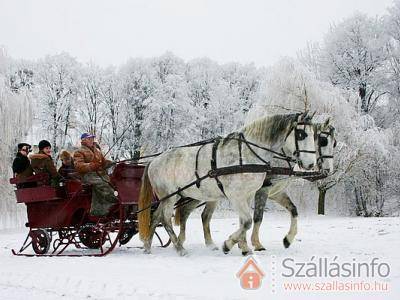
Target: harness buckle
(212, 173)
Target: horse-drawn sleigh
(59, 218)
(247, 164)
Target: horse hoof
(182, 252)
(212, 247)
(259, 249)
(245, 253)
(286, 242)
(225, 248)
(147, 251)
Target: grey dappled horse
(324, 143)
(175, 168)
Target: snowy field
(128, 273)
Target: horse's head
(299, 141)
(325, 142)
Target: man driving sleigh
(90, 163)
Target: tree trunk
(362, 93)
(321, 200)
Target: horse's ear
(302, 117)
(309, 117)
(327, 122)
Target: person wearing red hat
(91, 164)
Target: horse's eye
(300, 134)
(323, 141)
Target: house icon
(250, 275)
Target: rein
(241, 168)
(236, 169)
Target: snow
(203, 273)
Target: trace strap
(239, 169)
(214, 165)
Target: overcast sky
(109, 32)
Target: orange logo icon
(250, 275)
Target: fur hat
(65, 155)
(22, 145)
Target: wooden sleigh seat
(35, 188)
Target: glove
(95, 166)
(108, 164)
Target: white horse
(273, 189)
(292, 134)
(325, 143)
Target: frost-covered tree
(57, 80)
(111, 94)
(373, 175)
(168, 117)
(391, 111)
(203, 78)
(291, 87)
(149, 105)
(90, 101)
(310, 58)
(138, 85)
(354, 54)
(15, 122)
(244, 82)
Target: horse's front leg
(284, 200)
(259, 204)
(243, 208)
(206, 218)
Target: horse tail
(177, 217)
(145, 198)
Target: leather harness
(241, 168)
(251, 168)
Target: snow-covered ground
(128, 273)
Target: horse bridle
(323, 142)
(299, 135)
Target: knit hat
(43, 144)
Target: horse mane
(322, 127)
(271, 128)
(229, 137)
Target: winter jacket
(22, 167)
(68, 171)
(90, 160)
(42, 163)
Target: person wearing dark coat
(42, 162)
(21, 165)
(67, 169)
